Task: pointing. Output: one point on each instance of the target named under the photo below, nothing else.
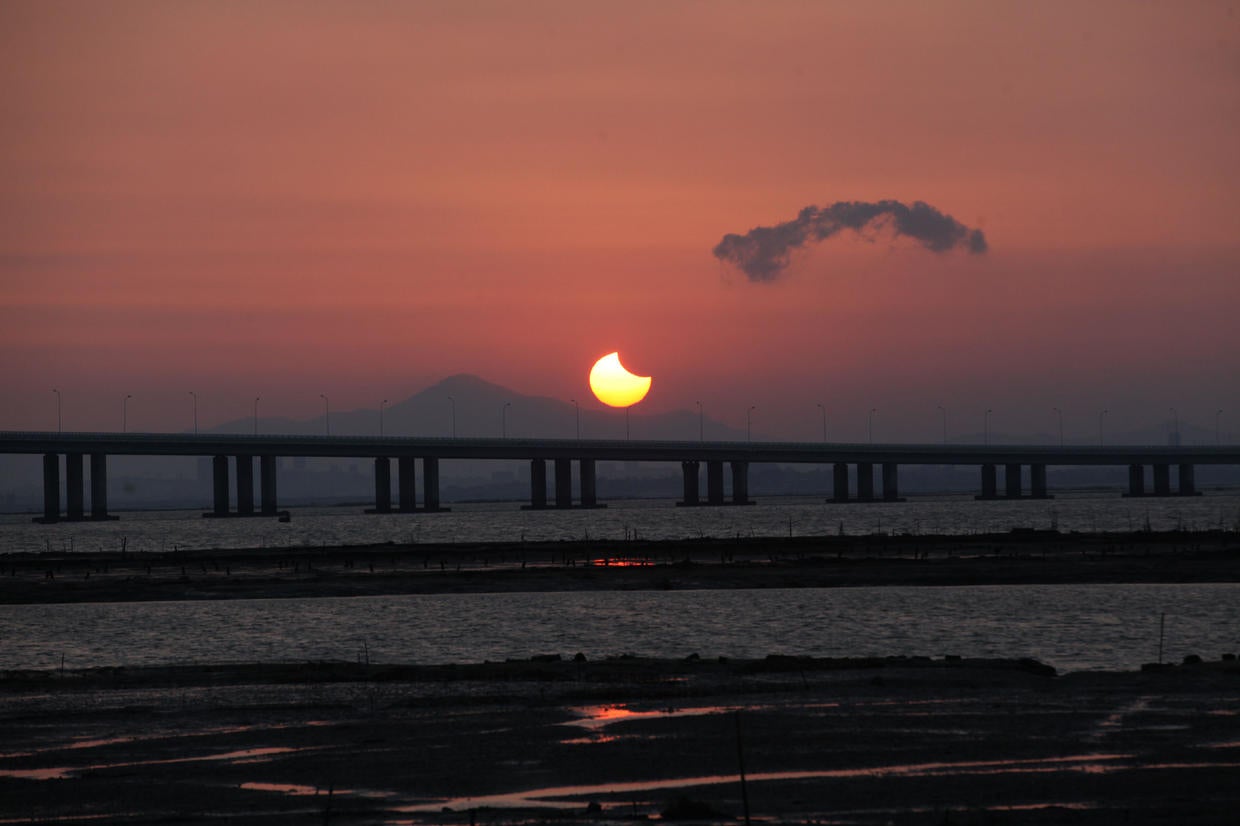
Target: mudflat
(876, 741)
(1017, 557)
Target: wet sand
(876, 741)
(1018, 557)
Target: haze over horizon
(358, 200)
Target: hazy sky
(359, 198)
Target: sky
(357, 199)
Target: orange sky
(360, 198)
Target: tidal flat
(900, 740)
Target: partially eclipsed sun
(615, 386)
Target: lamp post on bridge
(125, 413)
(452, 412)
(870, 424)
(327, 415)
(943, 410)
(57, 392)
(256, 401)
(986, 426)
(1059, 413)
(194, 396)
(702, 424)
(503, 420)
(1100, 415)
(381, 406)
(749, 422)
(824, 420)
(577, 410)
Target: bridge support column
(891, 484)
(1162, 480)
(563, 483)
(714, 483)
(538, 484)
(1188, 483)
(267, 484)
(1037, 482)
(865, 481)
(74, 489)
(99, 486)
(51, 488)
(689, 471)
(589, 490)
(839, 487)
(383, 485)
(990, 488)
(406, 481)
(1012, 481)
(219, 485)
(740, 483)
(430, 484)
(245, 485)
(1136, 480)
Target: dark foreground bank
(1043, 557)
(874, 741)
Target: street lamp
(1100, 415)
(125, 413)
(824, 420)
(57, 392)
(870, 423)
(256, 398)
(986, 426)
(702, 424)
(943, 410)
(327, 415)
(452, 408)
(381, 404)
(195, 397)
(749, 423)
(577, 410)
(1059, 413)
(503, 420)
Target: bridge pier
(430, 485)
(563, 483)
(99, 486)
(51, 489)
(990, 487)
(891, 484)
(690, 472)
(267, 485)
(383, 485)
(538, 484)
(1037, 482)
(1162, 479)
(406, 484)
(1012, 486)
(740, 484)
(865, 482)
(74, 487)
(589, 488)
(714, 482)
(219, 486)
(839, 480)
(245, 485)
(1188, 482)
(1136, 480)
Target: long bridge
(80, 448)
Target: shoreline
(1014, 558)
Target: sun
(615, 386)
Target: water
(160, 531)
(1071, 627)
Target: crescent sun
(615, 386)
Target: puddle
(595, 718)
(291, 789)
(565, 797)
(138, 738)
(241, 756)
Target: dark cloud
(763, 252)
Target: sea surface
(1083, 511)
(1071, 627)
